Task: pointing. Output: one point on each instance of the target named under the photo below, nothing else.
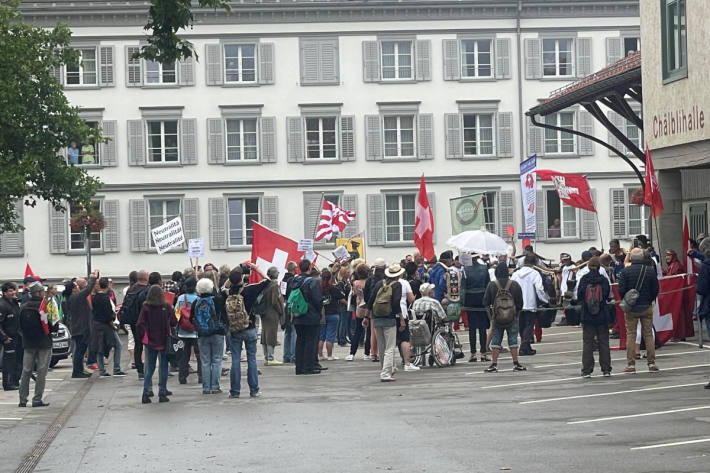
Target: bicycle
(441, 349)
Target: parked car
(60, 344)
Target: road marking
(693, 345)
(558, 343)
(543, 381)
(620, 359)
(10, 418)
(672, 444)
(560, 333)
(582, 396)
(645, 414)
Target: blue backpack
(206, 317)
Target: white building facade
(290, 100)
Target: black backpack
(31, 324)
(130, 309)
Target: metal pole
(700, 322)
(87, 243)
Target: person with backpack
(305, 303)
(80, 323)
(358, 287)
(36, 332)
(10, 337)
(474, 287)
(208, 316)
(387, 318)
(187, 332)
(333, 298)
(130, 310)
(504, 297)
(596, 317)
(289, 341)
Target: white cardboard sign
(168, 235)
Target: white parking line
(582, 396)
(10, 418)
(621, 359)
(645, 414)
(672, 444)
(545, 334)
(705, 347)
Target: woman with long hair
(155, 320)
(332, 299)
(362, 271)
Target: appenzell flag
(573, 189)
(269, 248)
(424, 224)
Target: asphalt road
(455, 419)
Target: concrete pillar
(670, 222)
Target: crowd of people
(212, 313)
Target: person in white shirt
(403, 335)
(533, 291)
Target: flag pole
(599, 226)
(320, 209)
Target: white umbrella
(479, 241)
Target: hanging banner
(467, 213)
(168, 235)
(527, 184)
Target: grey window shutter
(619, 204)
(536, 143)
(107, 151)
(311, 213)
(452, 61)
(506, 211)
(138, 225)
(295, 140)
(422, 49)
(618, 122)
(267, 137)
(136, 143)
(270, 212)
(57, 72)
(213, 52)
(589, 221)
(106, 63)
(454, 132)
(347, 138)
(329, 64)
(349, 202)
(432, 205)
(425, 138)
(503, 58)
(218, 223)
(586, 125)
(373, 138)
(309, 61)
(541, 216)
(13, 244)
(58, 231)
(215, 141)
(375, 219)
(266, 63)
(533, 58)
(134, 67)
(111, 232)
(613, 50)
(187, 71)
(370, 61)
(504, 121)
(188, 141)
(191, 218)
(584, 56)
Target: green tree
(36, 120)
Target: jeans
(137, 348)
(289, 344)
(646, 319)
(12, 362)
(81, 343)
(328, 331)
(497, 336)
(306, 347)
(357, 337)
(184, 364)
(386, 344)
(248, 337)
(527, 325)
(117, 347)
(601, 332)
(150, 361)
(344, 325)
(41, 357)
(211, 349)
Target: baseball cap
(35, 287)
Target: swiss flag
(573, 189)
(652, 195)
(30, 273)
(424, 224)
(269, 248)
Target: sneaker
(207, 392)
(141, 376)
(652, 367)
(81, 376)
(145, 399)
(389, 379)
(22, 404)
(411, 367)
(630, 369)
(163, 399)
(86, 372)
(39, 404)
(473, 359)
(374, 359)
(707, 386)
(256, 394)
(216, 391)
(93, 367)
(519, 367)
(492, 369)
(607, 374)
(104, 374)
(233, 396)
(273, 363)
(332, 358)
(586, 375)
(350, 358)
(119, 373)
(365, 357)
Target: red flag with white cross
(269, 248)
(424, 224)
(652, 194)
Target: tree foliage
(36, 120)
(167, 17)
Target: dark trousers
(81, 343)
(12, 362)
(527, 324)
(472, 338)
(137, 348)
(368, 338)
(184, 363)
(601, 332)
(306, 347)
(357, 338)
(344, 320)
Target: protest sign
(168, 235)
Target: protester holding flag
(332, 219)
(37, 340)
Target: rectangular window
(476, 58)
(243, 212)
(561, 218)
(83, 73)
(399, 217)
(674, 39)
(397, 60)
(76, 238)
(161, 211)
(631, 44)
(633, 133)
(239, 63)
(157, 73)
(242, 141)
(321, 138)
(490, 211)
(478, 134)
(560, 142)
(639, 218)
(698, 219)
(163, 141)
(557, 57)
(84, 152)
(399, 136)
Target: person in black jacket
(386, 326)
(475, 284)
(103, 337)
(10, 337)
(640, 276)
(80, 323)
(308, 324)
(595, 320)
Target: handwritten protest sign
(168, 235)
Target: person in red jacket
(155, 320)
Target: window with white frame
(161, 211)
(631, 44)
(399, 136)
(559, 142)
(697, 219)
(241, 215)
(76, 238)
(157, 73)
(476, 58)
(84, 152)
(321, 138)
(85, 72)
(674, 42)
(633, 133)
(561, 218)
(490, 210)
(638, 217)
(242, 139)
(239, 63)
(163, 141)
(478, 133)
(557, 57)
(399, 217)
(397, 60)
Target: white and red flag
(652, 194)
(269, 248)
(424, 224)
(573, 189)
(332, 219)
